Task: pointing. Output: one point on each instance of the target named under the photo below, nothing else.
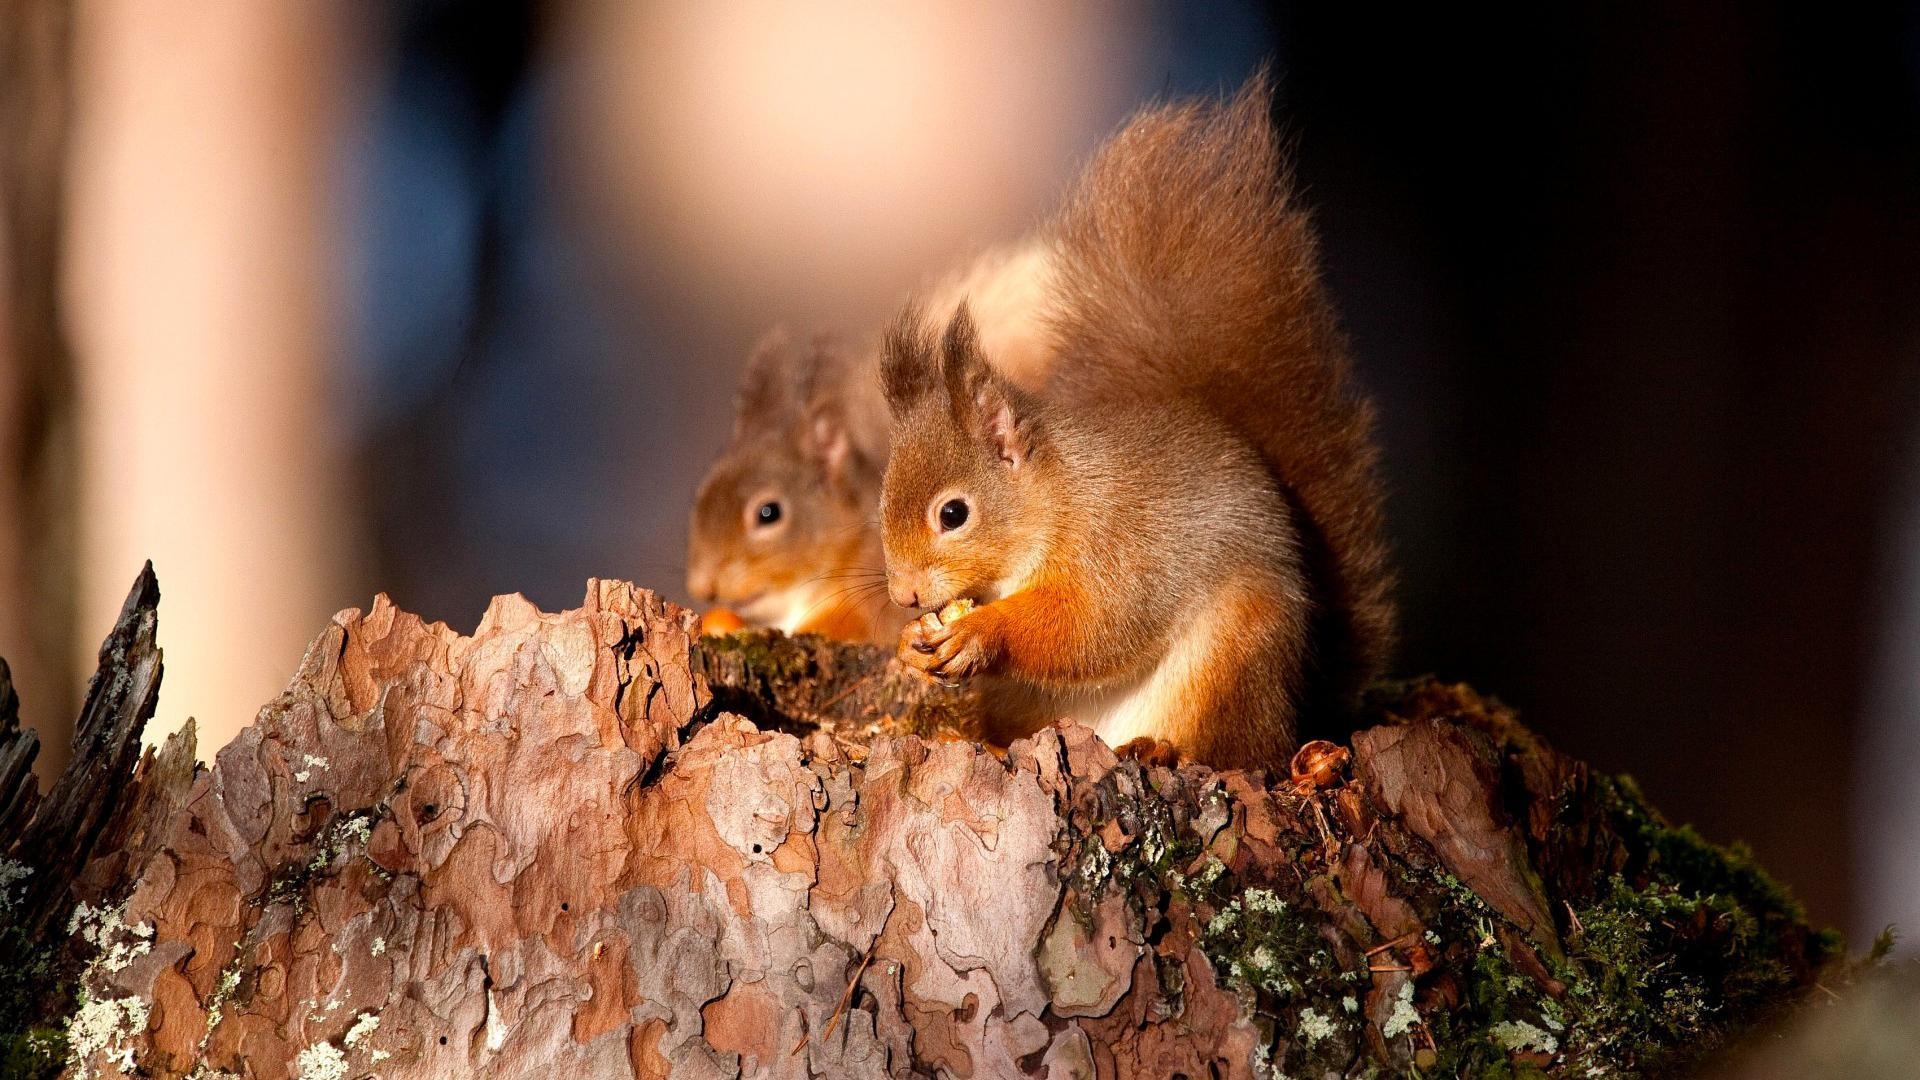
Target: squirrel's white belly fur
(1142, 708)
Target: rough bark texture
(559, 846)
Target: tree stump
(591, 844)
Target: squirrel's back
(1182, 265)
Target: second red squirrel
(783, 531)
(1176, 535)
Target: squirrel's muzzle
(906, 590)
(701, 586)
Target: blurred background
(306, 301)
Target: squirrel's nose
(904, 593)
(700, 585)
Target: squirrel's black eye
(953, 514)
(768, 513)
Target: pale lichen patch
(361, 1029)
(1314, 1027)
(1265, 901)
(105, 1025)
(1404, 1015)
(1520, 1035)
(1224, 921)
(321, 1061)
(12, 873)
(223, 992)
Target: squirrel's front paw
(953, 650)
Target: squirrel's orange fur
(1177, 535)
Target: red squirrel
(1176, 535)
(783, 530)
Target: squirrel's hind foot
(1150, 751)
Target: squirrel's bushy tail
(1184, 266)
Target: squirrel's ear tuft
(981, 399)
(767, 393)
(908, 370)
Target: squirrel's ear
(767, 390)
(823, 431)
(981, 398)
(827, 442)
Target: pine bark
(589, 841)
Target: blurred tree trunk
(200, 284)
(37, 496)
(554, 847)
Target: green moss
(768, 653)
(1151, 863)
(1271, 949)
(1261, 941)
(1882, 947)
(1680, 855)
(1769, 945)
(292, 881)
(36, 989)
(1479, 1036)
(1687, 945)
(1639, 992)
(1684, 947)
(1275, 953)
(33, 1053)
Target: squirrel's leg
(1226, 691)
(1011, 709)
